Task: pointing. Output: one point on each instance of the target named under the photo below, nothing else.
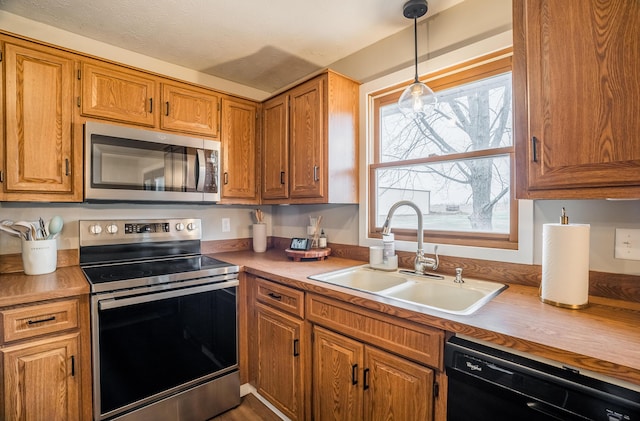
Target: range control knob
(191, 226)
(112, 229)
(95, 229)
(179, 226)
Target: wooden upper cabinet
(41, 158)
(239, 146)
(117, 93)
(310, 143)
(576, 98)
(190, 110)
(307, 136)
(275, 152)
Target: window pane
(469, 195)
(471, 117)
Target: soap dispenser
(389, 258)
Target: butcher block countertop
(603, 338)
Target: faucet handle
(458, 279)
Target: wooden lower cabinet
(279, 363)
(45, 360)
(354, 381)
(40, 380)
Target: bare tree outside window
(454, 163)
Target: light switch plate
(627, 244)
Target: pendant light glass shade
(417, 99)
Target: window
(456, 164)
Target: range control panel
(102, 232)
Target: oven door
(150, 346)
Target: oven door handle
(138, 299)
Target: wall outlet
(226, 224)
(627, 244)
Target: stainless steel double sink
(431, 291)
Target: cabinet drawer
(420, 343)
(281, 297)
(41, 319)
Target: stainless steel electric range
(164, 321)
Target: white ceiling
(265, 44)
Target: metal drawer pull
(534, 150)
(275, 296)
(315, 173)
(354, 374)
(296, 347)
(48, 319)
(365, 379)
(150, 105)
(167, 114)
(73, 366)
(67, 170)
(281, 177)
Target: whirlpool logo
(473, 367)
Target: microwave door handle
(202, 170)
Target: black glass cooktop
(155, 271)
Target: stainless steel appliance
(486, 383)
(130, 164)
(164, 321)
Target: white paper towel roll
(565, 265)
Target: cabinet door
(307, 140)
(275, 153)
(574, 58)
(395, 388)
(239, 151)
(115, 94)
(39, 140)
(336, 382)
(41, 381)
(279, 368)
(189, 110)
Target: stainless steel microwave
(136, 165)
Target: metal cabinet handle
(315, 173)
(67, 169)
(354, 374)
(150, 105)
(48, 319)
(73, 366)
(296, 347)
(167, 108)
(365, 379)
(281, 177)
(275, 296)
(534, 150)
(226, 178)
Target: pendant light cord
(415, 46)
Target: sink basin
(362, 278)
(417, 290)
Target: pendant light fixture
(417, 98)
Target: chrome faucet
(421, 262)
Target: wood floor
(250, 409)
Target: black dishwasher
(486, 383)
